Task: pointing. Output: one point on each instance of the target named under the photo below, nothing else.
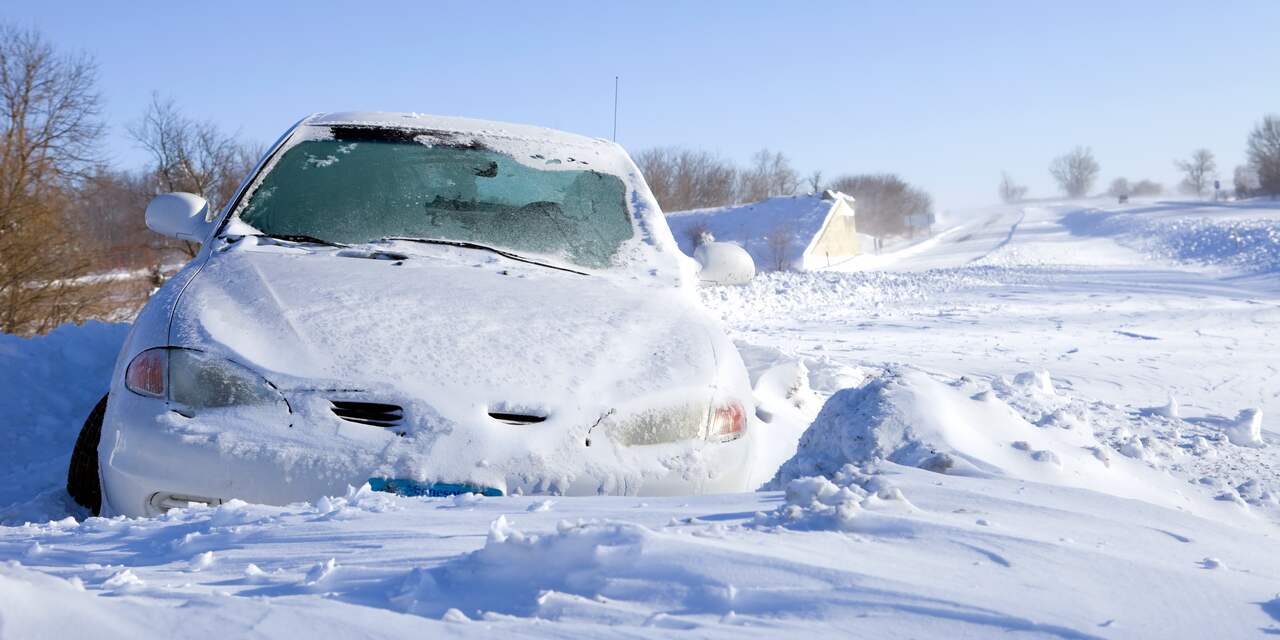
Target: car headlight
(198, 380)
(674, 423)
(659, 425)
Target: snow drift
(1025, 428)
(51, 383)
(1244, 237)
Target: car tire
(82, 474)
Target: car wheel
(82, 474)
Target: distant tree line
(1076, 171)
(683, 179)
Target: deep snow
(756, 226)
(1050, 421)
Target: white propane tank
(724, 263)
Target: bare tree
(1198, 171)
(780, 240)
(769, 175)
(1075, 171)
(1010, 191)
(108, 213)
(698, 234)
(192, 156)
(683, 179)
(885, 202)
(1146, 188)
(1119, 187)
(1245, 180)
(49, 115)
(815, 181)
(1264, 154)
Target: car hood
(447, 324)
(453, 336)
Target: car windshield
(368, 184)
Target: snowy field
(1045, 421)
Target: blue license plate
(413, 488)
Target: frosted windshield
(365, 186)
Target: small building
(787, 232)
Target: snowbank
(819, 503)
(788, 392)
(48, 385)
(1024, 428)
(1192, 234)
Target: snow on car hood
(452, 334)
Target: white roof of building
(750, 225)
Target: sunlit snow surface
(1040, 423)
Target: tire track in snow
(1013, 229)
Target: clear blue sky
(944, 93)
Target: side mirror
(179, 215)
(724, 263)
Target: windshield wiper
(296, 237)
(472, 245)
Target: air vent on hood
(516, 418)
(375, 414)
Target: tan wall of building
(838, 240)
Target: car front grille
(374, 414)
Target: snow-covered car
(431, 305)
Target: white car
(431, 305)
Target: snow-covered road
(1019, 289)
(1003, 394)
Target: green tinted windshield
(367, 186)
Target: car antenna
(615, 108)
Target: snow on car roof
(453, 124)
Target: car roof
(452, 124)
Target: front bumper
(148, 452)
(152, 459)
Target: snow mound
(909, 418)
(605, 571)
(363, 498)
(1194, 236)
(1246, 429)
(1024, 427)
(818, 503)
(788, 393)
(50, 384)
(517, 573)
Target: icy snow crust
(995, 437)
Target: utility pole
(615, 108)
